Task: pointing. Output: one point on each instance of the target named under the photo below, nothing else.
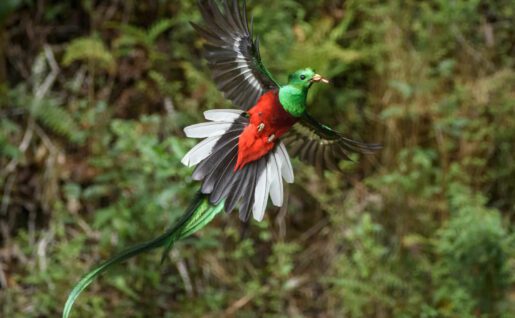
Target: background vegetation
(93, 99)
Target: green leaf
(89, 49)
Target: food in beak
(319, 78)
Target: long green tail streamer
(198, 214)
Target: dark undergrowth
(93, 99)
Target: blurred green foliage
(94, 97)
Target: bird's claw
(271, 138)
(261, 127)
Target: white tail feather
(261, 195)
(200, 152)
(276, 184)
(209, 129)
(225, 115)
(286, 167)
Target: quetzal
(243, 158)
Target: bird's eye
(302, 77)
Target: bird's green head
(293, 96)
(303, 79)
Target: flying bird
(245, 153)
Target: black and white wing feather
(233, 54)
(320, 146)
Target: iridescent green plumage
(293, 96)
(198, 214)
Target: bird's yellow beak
(318, 78)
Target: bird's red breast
(255, 143)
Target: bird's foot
(261, 127)
(271, 138)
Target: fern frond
(132, 35)
(50, 115)
(158, 28)
(89, 49)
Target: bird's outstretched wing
(321, 146)
(233, 53)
